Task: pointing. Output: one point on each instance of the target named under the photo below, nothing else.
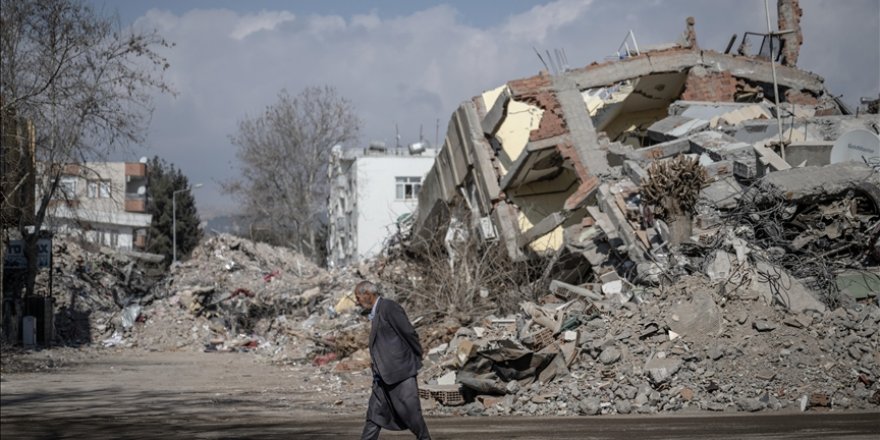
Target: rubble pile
(92, 287)
(684, 348)
(234, 294)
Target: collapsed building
(547, 164)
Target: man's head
(366, 293)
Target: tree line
(87, 86)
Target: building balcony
(135, 203)
(135, 170)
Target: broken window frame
(764, 48)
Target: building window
(408, 187)
(99, 189)
(66, 188)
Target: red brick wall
(530, 85)
(702, 85)
(552, 121)
(536, 91)
(798, 97)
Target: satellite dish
(142, 190)
(143, 159)
(858, 144)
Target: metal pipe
(770, 35)
(633, 36)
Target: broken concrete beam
(660, 151)
(597, 255)
(634, 172)
(712, 143)
(443, 173)
(600, 75)
(582, 195)
(505, 218)
(617, 153)
(809, 184)
(765, 157)
(745, 167)
(495, 116)
(758, 70)
(543, 227)
(478, 151)
(454, 157)
(674, 127)
(557, 286)
(582, 133)
(635, 250)
(589, 241)
(459, 118)
(604, 223)
(721, 168)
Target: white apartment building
(370, 190)
(103, 202)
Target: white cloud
(263, 21)
(536, 23)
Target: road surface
(142, 395)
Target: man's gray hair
(366, 287)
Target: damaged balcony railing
(624, 50)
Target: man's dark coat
(394, 344)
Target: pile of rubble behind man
(726, 249)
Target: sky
(406, 65)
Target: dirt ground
(93, 393)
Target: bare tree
(84, 83)
(284, 155)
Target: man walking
(396, 356)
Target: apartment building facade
(104, 203)
(370, 190)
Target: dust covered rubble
(231, 295)
(689, 349)
(769, 303)
(93, 286)
(235, 294)
(712, 339)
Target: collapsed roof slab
(803, 185)
(659, 151)
(678, 60)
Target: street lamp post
(174, 221)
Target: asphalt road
(771, 426)
(128, 395)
